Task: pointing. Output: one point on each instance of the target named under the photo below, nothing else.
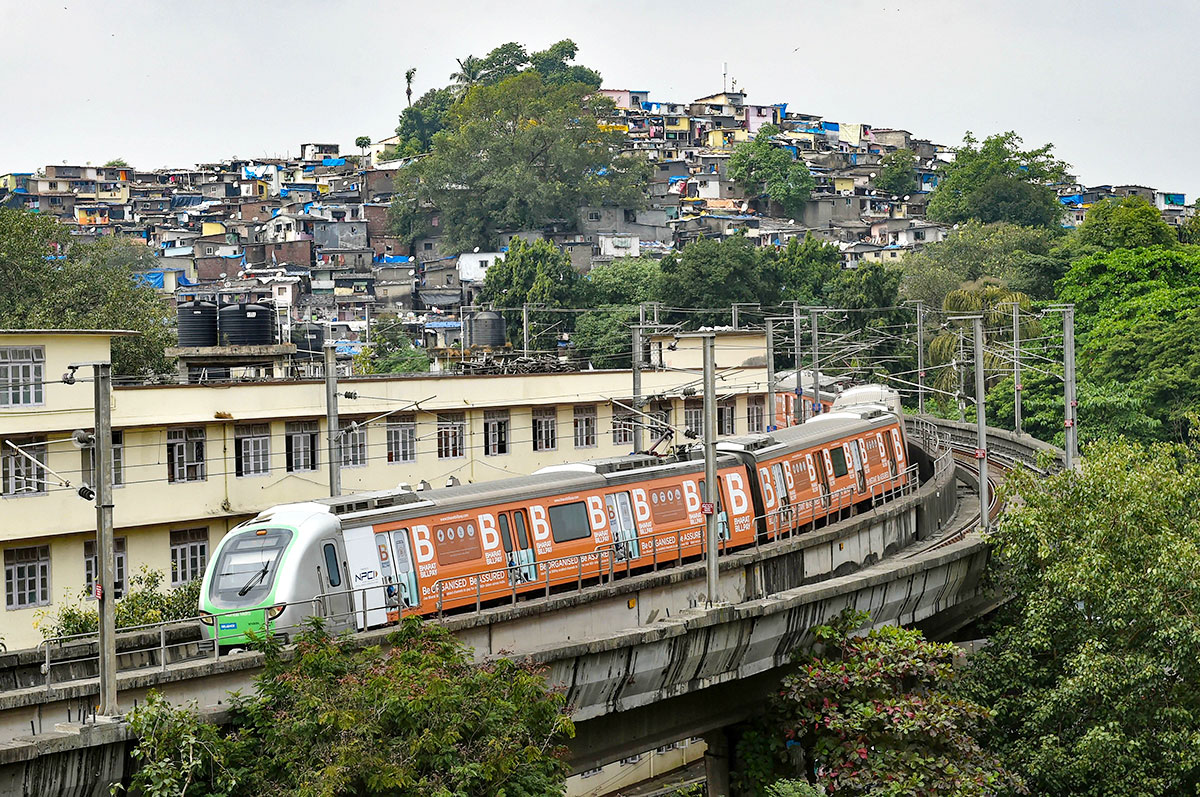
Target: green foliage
(515, 156)
(793, 788)
(391, 352)
(899, 173)
(873, 716)
(1092, 669)
(145, 602)
(94, 287)
(761, 167)
(1189, 233)
(335, 719)
(362, 142)
(421, 121)
(1100, 284)
(806, 268)
(996, 181)
(710, 273)
(994, 303)
(1012, 254)
(611, 290)
(1130, 223)
(117, 163)
(534, 273)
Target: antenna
(724, 75)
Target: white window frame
(189, 554)
(727, 417)
(354, 445)
(91, 567)
(253, 449)
(545, 429)
(118, 463)
(20, 475)
(302, 446)
(756, 415)
(584, 426)
(622, 427)
(497, 427)
(26, 572)
(693, 417)
(402, 439)
(185, 454)
(451, 435)
(22, 372)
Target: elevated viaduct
(642, 660)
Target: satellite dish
(906, 197)
(476, 249)
(872, 175)
(791, 221)
(222, 276)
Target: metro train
(367, 559)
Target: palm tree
(408, 79)
(470, 73)
(362, 142)
(949, 352)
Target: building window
(354, 445)
(593, 215)
(252, 449)
(301, 446)
(189, 554)
(756, 414)
(27, 577)
(118, 464)
(402, 439)
(495, 432)
(451, 434)
(21, 374)
(726, 417)
(622, 427)
(185, 454)
(693, 417)
(545, 429)
(91, 566)
(21, 475)
(585, 426)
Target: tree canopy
(762, 168)
(515, 156)
(391, 352)
(49, 282)
(535, 273)
(1129, 223)
(996, 181)
(899, 173)
(1092, 666)
(711, 273)
(338, 720)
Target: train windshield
(244, 571)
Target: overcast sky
(1113, 85)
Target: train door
(338, 606)
(885, 450)
(624, 528)
(524, 553)
(722, 516)
(399, 577)
(857, 460)
(819, 477)
(786, 519)
(898, 447)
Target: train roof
(824, 428)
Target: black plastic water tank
(309, 340)
(197, 323)
(246, 325)
(487, 329)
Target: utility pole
(798, 401)
(334, 432)
(920, 357)
(813, 311)
(981, 426)
(637, 387)
(770, 374)
(958, 368)
(1069, 374)
(525, 328)
(736, 314)
(102, 465)
(710, 463)
(1016, 348)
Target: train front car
(270, 573)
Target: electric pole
(102, 465)
(1069, 374)
(736, 315)
(525, 328)
(798, 402)
(710, 463)
(981, 426)
(331, 420)
(816, 407)
(1016, 332)
(637, 388)
(920, 357)
(770, 375)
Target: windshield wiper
(254, 580)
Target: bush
(145, 601)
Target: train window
(245, 567)
(780, 486)
(522, 535)
(332, 571)
(569, 522)
(839, 461)
(505, 535)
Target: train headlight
(206, 617)
(276, 610)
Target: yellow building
(192, 461)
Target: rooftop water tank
(487, 329)
(246, 325)
(197, 323)
(310, 340)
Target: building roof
(112, 333)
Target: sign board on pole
(707, 507)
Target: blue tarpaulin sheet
(333, 162)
